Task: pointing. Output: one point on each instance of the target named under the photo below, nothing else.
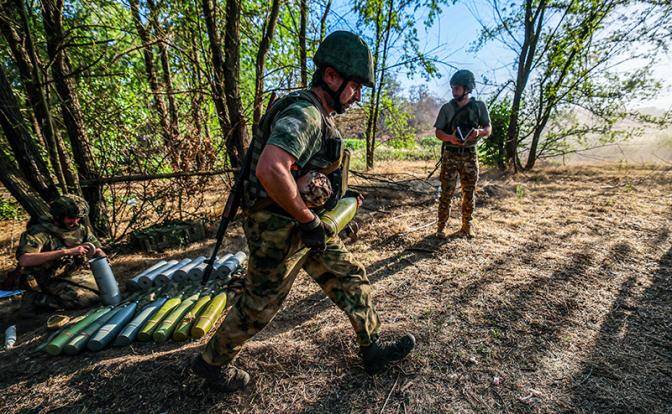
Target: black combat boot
(224, 379)
(377, 355)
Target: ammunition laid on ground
(171, 302)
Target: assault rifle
(232, 203)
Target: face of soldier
(459, 92)
(71, 222)
(351, 94)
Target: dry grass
(561, 304)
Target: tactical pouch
(339, 181)
(333, 149)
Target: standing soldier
(460, 123)
(296, 136)
(52, 257)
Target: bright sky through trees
(450, 39)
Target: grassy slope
(565, 297)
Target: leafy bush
(396, 124)
(488, 150)
(355, 144)
(10, 210)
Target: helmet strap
(334, 94)
(464, 95)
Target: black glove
(313, 234)
(352, 193)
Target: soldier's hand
(475, 133)
(77, 251)
(454, 140)
(354, 193)
(313, 234)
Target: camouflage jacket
(298, 124)
(47, 237)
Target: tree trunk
(157, 97)
(71, 111)
(323, 20)
(167, 82)
(21, 190)
(266, 39)
(22, 144)
(381, 81)
(23, 51)
(303, 23)
(370, 138)
(217, 85)
(203, 153)
(526, 57)
(237, 140)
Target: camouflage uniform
(63, 283)
(462, 161)
(302, 129)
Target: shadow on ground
(630, 367)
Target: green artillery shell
(112, 327)
(130, 331)
(182, 331)
(204, 322)
(69, 324)
(77, 344)
(166, 328)
(335, 220)
(56, 346)
(145, 333)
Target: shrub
(488, 150)
(10, 210)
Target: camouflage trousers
(466, 166)
(272, 268)
(71, 291)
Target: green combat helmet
(348, 55)
(68, 205)
(464, 78)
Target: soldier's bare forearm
(37, 259)
(442, 136)
(273, 171)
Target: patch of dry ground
(562, 304)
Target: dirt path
(562, 304)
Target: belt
(460, 150)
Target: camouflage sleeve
(443, 118)
(483, 114)
(297, 130)
(90, 237)
(31, 243)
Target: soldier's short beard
(461, 97)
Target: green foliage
(10, 210)
(425, 149)
(430, 142)
(396, 124)
(489, 149)
(355, 144)
(570, 57)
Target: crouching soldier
(297, 137)
(52, 256)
